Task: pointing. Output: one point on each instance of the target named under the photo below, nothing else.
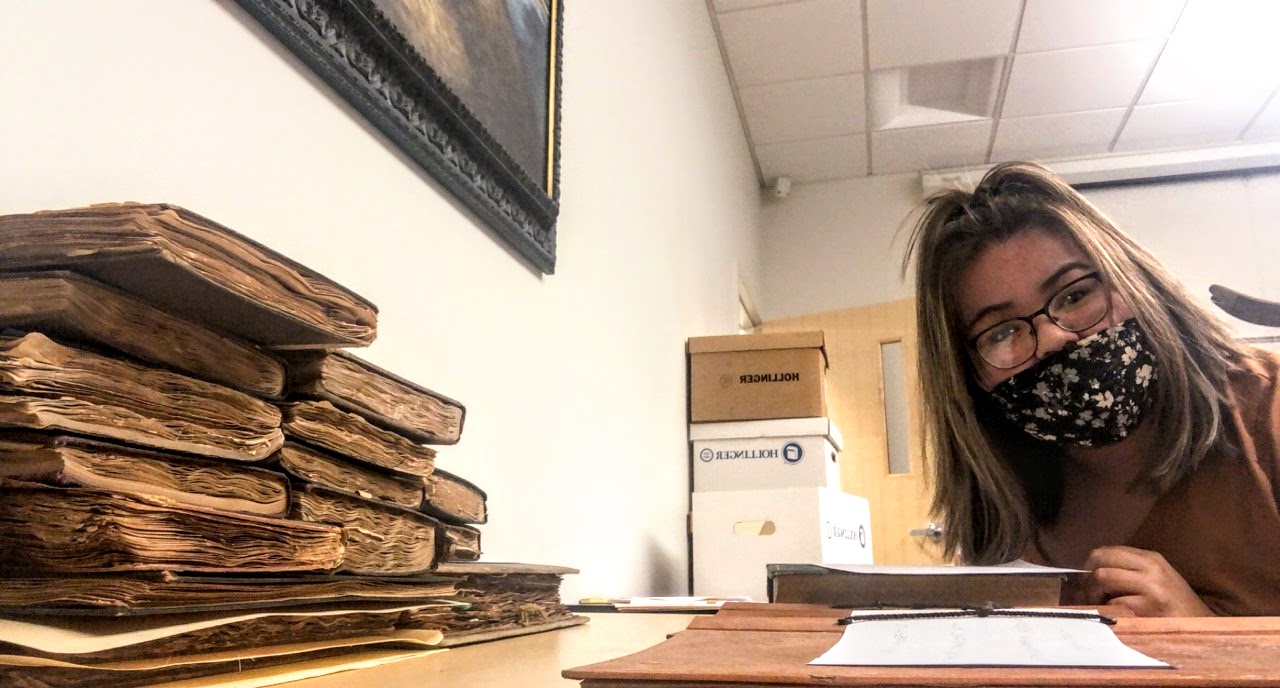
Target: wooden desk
(532, 661)
(759, 646)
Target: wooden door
(856, 403)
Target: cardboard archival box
(758, 454)
(757, 376)
(737, 533)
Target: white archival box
(737, 532)
(758, 454)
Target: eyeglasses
(1077, 306)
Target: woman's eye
(1077, 294)
(999, 334)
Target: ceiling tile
(814, 160)
(1056, 136)
(734, 5)
(798, 40)
(809, 109)
(1184, 125)
(1224, 49)
(922, 148)
(1078, 79)
(1267, 126)
(910, 32)
(1055, 24)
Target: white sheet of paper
(982, 641)
(682, 601)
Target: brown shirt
(1220, 526)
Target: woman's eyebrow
(1047, 285)
(1051, 281)
(984, 312)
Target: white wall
(837, 244)
(574, 383)
(832, 245)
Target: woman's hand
(1139, 580)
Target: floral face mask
(1091, 394)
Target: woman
(1084, 411)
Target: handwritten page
(982, 641)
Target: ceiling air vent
(934, 94)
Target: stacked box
(738, 533)
(765, 463)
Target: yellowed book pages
(66, 305)
(81, 462)
(381, 539)
(381, 397)
(322, 424)
(46, 385)
(330, 470)
(70, 530)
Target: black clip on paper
(979, 611)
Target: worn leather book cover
(79, 310)
(47, 530)
(45, 385)
(192, 266)
(1203, 651)
(82, 462)
(459, 543)
(313, 465)
(499, 600)
(323, 425)
(382, 539)
(381, 397)
(147, 593)
(453, 499)
(948, 587)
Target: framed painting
(467, 89)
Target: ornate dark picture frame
(359, 52)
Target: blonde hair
(994, 483)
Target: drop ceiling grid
(1084, 80)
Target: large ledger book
(193, 266)
(501, 600)
(321, 424)
(453, 499)
(48, 386)
(381, 538)
(97, 639)
(77, 309)
(253, 666)
(383, 398)
(915, 586)
(72, 530)
(121, 652)
(82, 462)
(320, 467)
(166, 592)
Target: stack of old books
(194, 480)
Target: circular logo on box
(792, 453)
(726, 380)
(706, 455)
(862, 536)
